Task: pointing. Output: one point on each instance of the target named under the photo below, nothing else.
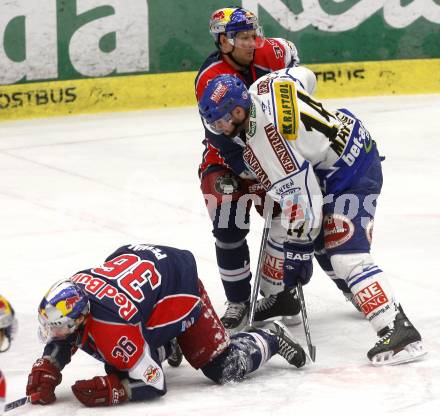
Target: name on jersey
(279, 146)
(144, 247)
(101, 289)
(250, 158)
(287, 109)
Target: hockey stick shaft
(310, 346)
(21, 402)
(256, 287)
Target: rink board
(126, 93)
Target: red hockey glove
(100, 391)
(43, 379)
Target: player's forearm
(59, 353)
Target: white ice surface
(74, 189)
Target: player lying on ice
(126, 313)
(324, 169)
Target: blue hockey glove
(298, 266)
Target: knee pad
(347, 265)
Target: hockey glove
(100, 391)
(43, 379)
(298, 266)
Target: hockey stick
(256, 287)
(311, 347)
(21, 402)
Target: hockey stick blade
(310, 346)
(21, 402)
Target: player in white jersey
(325, 171)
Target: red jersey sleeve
(124, 347)
(276, 53)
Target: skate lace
(385, 337)
(266, 303)
(286, 350)
(234, 310)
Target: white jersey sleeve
(284, 172)
(305, 77)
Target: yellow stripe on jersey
(287, 109)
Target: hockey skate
(176, 355)
(290, 350)
(283, 306)
(399, 343)
(235, 316)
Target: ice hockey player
(242, 50)
(126, 312)
(302, 152)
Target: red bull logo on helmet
(218, 15)
(66, 306)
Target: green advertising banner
(75, 39)
(60, 57)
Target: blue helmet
(230, 20)
(221, 96)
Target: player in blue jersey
(126, 313)
(324, 169)
(242, 50)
